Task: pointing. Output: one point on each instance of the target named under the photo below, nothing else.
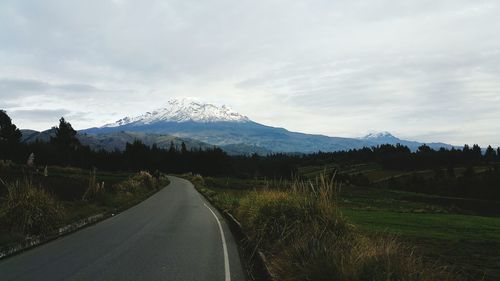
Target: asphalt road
(173, 235)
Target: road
(173, 235)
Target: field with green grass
(446, 230)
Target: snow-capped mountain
(220, 126)
(183, 110)
(381, 137)
(377, 135)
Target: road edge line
(224, 245)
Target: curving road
(173, 235)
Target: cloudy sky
(422, 69)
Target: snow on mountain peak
(378, 135)
(184, 110)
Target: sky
(426, 70)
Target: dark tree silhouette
(10, 137)
(65, 135)
(183, 148)
(65, 141)
(490, 154)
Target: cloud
(39, 114)
(45, 117)
(415, 68)
(31, 86)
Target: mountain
(234, 132)
(183, 110)
(118, 140)
(29, 136)
(387, 138)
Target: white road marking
(224, 246)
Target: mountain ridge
(183, 110)
(206, 124)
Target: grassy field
(437, 227)
(470, 243)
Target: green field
(443, 229)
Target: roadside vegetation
(460, 233)
(301, 228)
(38, 200)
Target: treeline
(65, 149)
(468, 183)
(399, 157)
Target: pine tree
(490, 154)
(65, 135)
(476, 150)
(183, 148)
(10, 136)
(172, 149)
(65, 141)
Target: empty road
(173, 235)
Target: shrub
(31, 210)
(146, 179)
(198, 180)
(307, 238)
(353, 257)
(279, 216)
(94, 188)
(136, 182)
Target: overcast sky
(427, 70)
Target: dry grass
(29, 209)
(134, 183)
(302, 230)
(94, 188)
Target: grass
(453, 231)
(30, 209)
(42, 203)
(306, 236)
(471, 243)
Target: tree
(65, 142)
(172, 149)
(424, 149)
(476, 150)
(65, 135)
(10, 136)
(183, 148)
(490, 154)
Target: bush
(138, 181)
(307, 238)
(31, 210)
(353, 257)
(198, 180)
(279, 216)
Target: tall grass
(95, 188)
(30, 209)
(302, 230)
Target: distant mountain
(388, 138)
(183, 110)
(234, 132)
(33, 136)
(118, 140)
